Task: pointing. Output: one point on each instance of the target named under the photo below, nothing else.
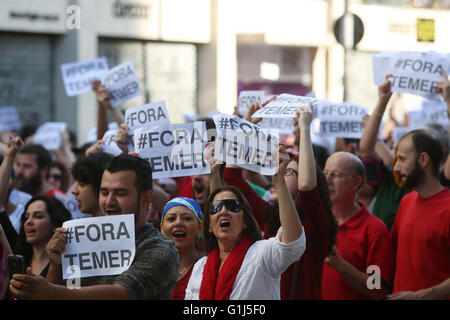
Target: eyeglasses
(335, 174)
(231, 204)
(290, 171)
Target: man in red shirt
(362, 242)
(421, 230)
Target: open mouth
(113, 211)
(179, 234)
(225, 223)
(30, 232)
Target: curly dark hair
(252, 229)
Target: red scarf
(218, 287)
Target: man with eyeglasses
(362, 241)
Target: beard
(31, 185)
(414, 178)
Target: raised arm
(370, 133)
(289, 220)
(215, 181)
(444, 90)
(307, 180)
(13, 146)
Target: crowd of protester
(371, 220)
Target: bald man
(363, 244)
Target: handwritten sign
(122, 83)
(173, 150)
(99, 246)
(78, 76)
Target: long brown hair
(252, 229)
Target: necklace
(181, 273)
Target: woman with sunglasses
(239, 264)
(309, 191)
(181, 222)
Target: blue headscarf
(189, 203)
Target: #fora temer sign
(99, 246)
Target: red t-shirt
(363, 240)
(180, 288)
(421, 238)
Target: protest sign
(78, 76)
(173, 150)
(71, 204)
(381, 62)
(151, 114)
(48, 135)
(340, 119)
(109, 145)
(99, 246)
(399, 132)
(435, 111)
(246, 145)
(414, 72)
(283, 125)
(246, 98)
(122, 83)
(284, 106)
(92, 134)
(9, 119)
(415, 118)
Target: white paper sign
(340, 119)
(416, 72)
(246, 98)
(173, 150)
(399, 132)
(9, 119)
(78, 76)
(436, 111)
(381, 63)
(284, 106)
(109, 145)
(92, 134)
(283, 125)
(99, 246)
(48, 135)
(246, 145)
(151, 114)
(122, 83)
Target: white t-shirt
(260, 273)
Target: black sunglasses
(231, 204)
